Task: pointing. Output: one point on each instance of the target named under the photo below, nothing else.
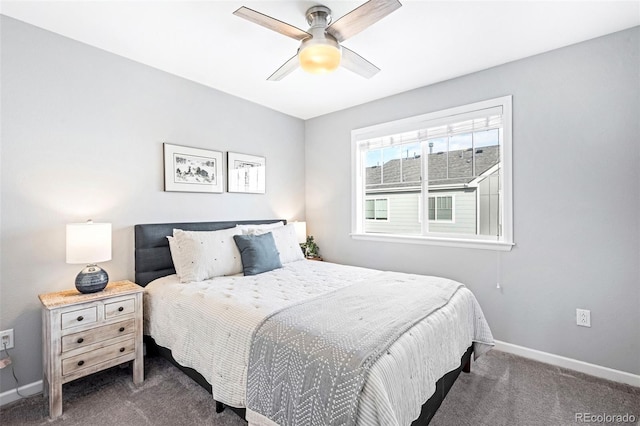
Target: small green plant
(310, 248)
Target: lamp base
(92, 279)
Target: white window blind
(484, 119)
(467, 126)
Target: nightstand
(86, 333)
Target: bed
(205, 328)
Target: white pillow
(206, 254)
(175, 255)
(260, 226)
(286, 242)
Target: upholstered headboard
(152, 255)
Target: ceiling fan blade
(361, 17)
(271, 23)
(356, 63)
(286, 69)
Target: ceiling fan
(320, 50)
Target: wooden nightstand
(86, 333)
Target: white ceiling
(421, 43)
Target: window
(376, 209)
(457, 162)
(441, 209)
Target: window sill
(435, 241)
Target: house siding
(404, 217)
(489, 205)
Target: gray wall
(82, 134)
(576, 209)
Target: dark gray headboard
(152, 255)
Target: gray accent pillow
(258, 253)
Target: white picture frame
(188, 169)
(246, 173)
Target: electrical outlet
(583, 317)
(6, 337)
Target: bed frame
(153, 260)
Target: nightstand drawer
(79, 317)
(97, 356)
(123, 307)
(99, 334)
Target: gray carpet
(501, 389)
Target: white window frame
(374, 198)
(504, 243)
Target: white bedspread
(208, 326)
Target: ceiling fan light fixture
(319, 58)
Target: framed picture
(192, 169)
(246, 173)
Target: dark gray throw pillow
(258, 253)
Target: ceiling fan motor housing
(318, 16)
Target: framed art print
(189, 169)
(246, 173)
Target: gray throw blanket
(308, 362)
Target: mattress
(208, 326)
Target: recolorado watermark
(605, 418)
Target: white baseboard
(26, 390)
(570, 363)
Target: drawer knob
(121, 329)
(120, 309)
(80, 340)
(121, 349)
(80, 362)
(80, 318)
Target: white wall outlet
(6, 337)
(583, 317)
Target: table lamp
(301, 233)
(89, 243)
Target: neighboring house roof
(460, 170)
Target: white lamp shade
(88, 242)
(301, 231)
